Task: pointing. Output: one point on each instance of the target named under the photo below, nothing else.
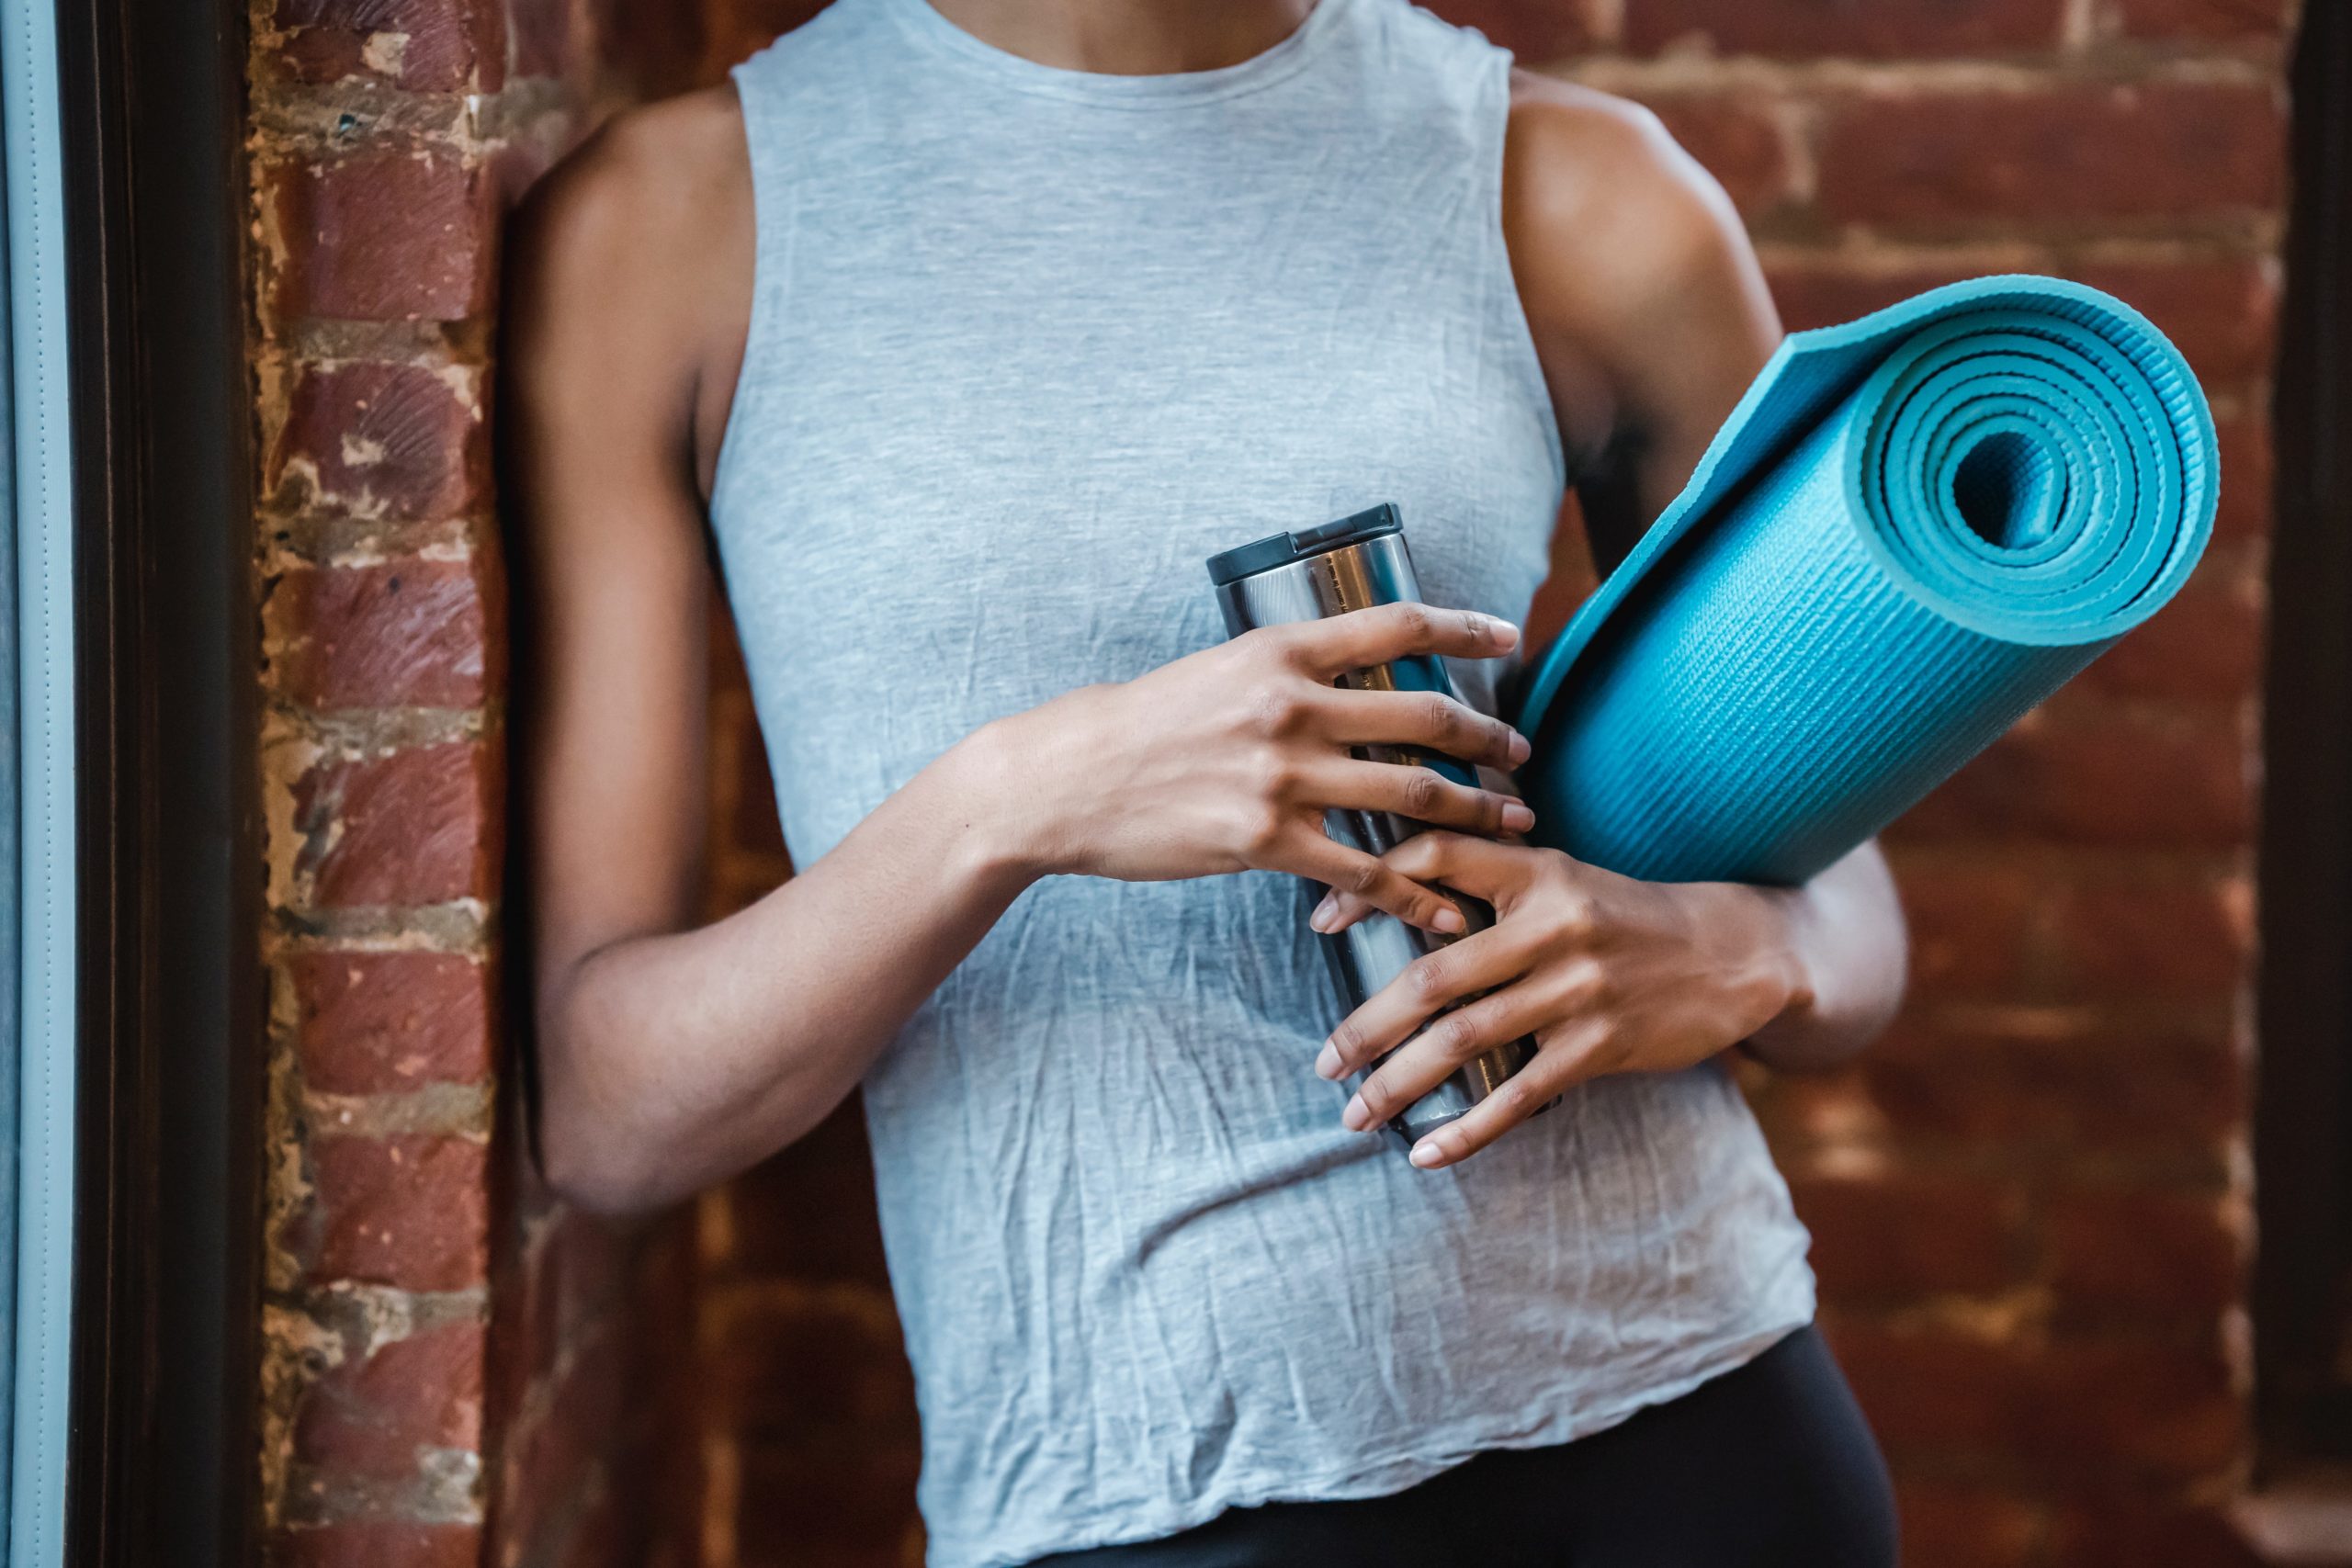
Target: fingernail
(1321, 919)
(1520, 748)
(1517, 818)
(1501, 630)
(1447, 920)
(1355, 1118)
(1427, 1154)
(1326, 1064)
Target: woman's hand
(1226, 761)
(1607, 973)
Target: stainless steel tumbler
(1352, 564)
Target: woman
(968, 329)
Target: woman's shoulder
(1619, 240)
(1587, 160)
(631, 262)
(667, 157)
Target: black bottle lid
(1281, 549)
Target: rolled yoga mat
(1912, 529)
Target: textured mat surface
(1913, 528)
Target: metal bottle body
(1355, 575)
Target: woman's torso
(1027, 346)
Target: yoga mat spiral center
(2007, 491)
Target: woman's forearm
(672, 1060)
(1845, 928)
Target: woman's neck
(1129, 37)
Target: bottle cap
(1281, 549)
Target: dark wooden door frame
(2303, 1110)
(162, 1460)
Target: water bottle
(1352, 564)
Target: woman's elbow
(594, 1169)
(589, 1154)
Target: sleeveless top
(1028, 346)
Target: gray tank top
(1028, 346)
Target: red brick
(386, 1022)
(2144, 1251)
(808, 1213)
(373, 1544)
(2137, 1530)
(2206, 645)
(656, 50)
(1878, 28)
(556, 1456)
(2090, 1409)
(1927, 1389)
(753, 826)
(2098, 1089)
(2244, 444)
(2087, 774)
(1972, 922)
(2115, 1408)
(2169, 150)
(2131, 937)
(1802, 1110)
(763, 19)
(410, 1209)
(662, 1311)
(412, 827)
(383, 441)
(845, 1505)
(375, 1416)
(1538, 31)
(436, 46)
(2222, 313)
(609, 1534)
(545, 36)
(587, 1262)
(1947, 1525)
(1815, 293)
(804, 1361)
(1912, 1233)
(398, 633)
(517, 1358)
(383, 236)
(2202, 20)
(1739, 143)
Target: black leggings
(1771, 1464)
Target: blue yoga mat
(1912, 529)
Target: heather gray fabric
(1028, 345)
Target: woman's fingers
(1426, 721)
(1310, 853)
(1430, 1058)
(1570, 1055)
(1421, 989)
(1477, 866)
(1331, 647)
(1422, 793)
(1480, 867)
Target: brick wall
(2030, 1202)
(455, 1371)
